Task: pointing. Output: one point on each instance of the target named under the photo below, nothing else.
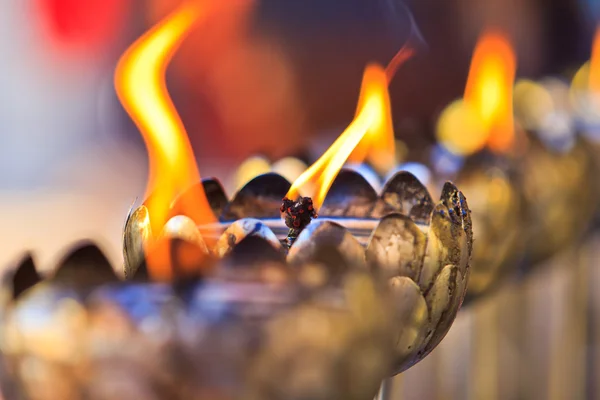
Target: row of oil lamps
(330, 317)
(362, 293)
(531, 200)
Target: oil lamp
(479, 130)
(420, 248)
(536, 174)
(584, 102)
(557, 171)
(222, 300)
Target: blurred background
(282, 79)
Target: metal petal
(255, 259)
(328, 243)
(260, 198)
(405, 194)
(241, 229)
(184, 228)
(444, 300)
(396, 248)
(497, 213)
(447, 241)
(315, 346)
(460, 215)
(350, 195)
(211, 188)
(55, 335)
(467, 222)
(410, 316)
(85, 266)
(24, 277)
(560, 191)
(136, 234)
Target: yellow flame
(587, 77)
(486, 108)
(594, 79)
(141, 87)
(374, 113)
(489, 88)
(378, 145)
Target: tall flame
(489, 88)
(141, 87)
(373, 115)
(378, 145)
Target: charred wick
(298, 215)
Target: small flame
(485, 115)
(594, 77)
(378, 145)
(585, 85)
(373, 115)
(489, 88)
(141, 87)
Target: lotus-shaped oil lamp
(533, 175)
(497, 212)
(225, 300)
(560, 197)
(583, 106)
(584, 98)
(521, 187)
(556, 173)
(479, 130)
(419, 247)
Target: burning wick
(373, 119)
(298, 214)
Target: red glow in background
(82, 24)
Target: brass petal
(444, 300)
(136, 234)
(241, 229)
(328, 243)
(259, 198)
(448, 239)
(24, 277)
(497, 212)
(85, 266)
(184, 228)
(410, 316)
(396, 248)
(350, 195)
(405, 194)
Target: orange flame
(141, 87)
(373, 115)
(378, 145)
(594, 78)
(489, 88)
